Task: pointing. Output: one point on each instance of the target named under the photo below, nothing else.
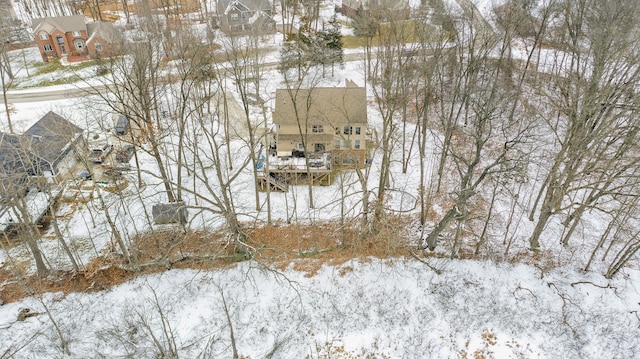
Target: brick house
(333, 120)
(245, 16)
(63, 35)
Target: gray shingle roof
(64, 23)
(328, 105)
(51, 135)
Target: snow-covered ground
(372, 309)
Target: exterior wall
(349, 158)
(41, 43)
(339, 141)
(67, 46)
(108, 49)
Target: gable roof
(328, 105)
(254, 5)
(51, 137)
(103, 30)
(63, 23)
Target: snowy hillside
(373, 309)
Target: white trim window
(79, 44)
(76, 33)
(47, 48)
(317, 129)
(44, 36)
(98, 47)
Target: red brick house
(63, 35)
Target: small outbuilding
(168, 213)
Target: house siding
(342, 115)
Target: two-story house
(246, 16)
(322, 120)
(63, 35)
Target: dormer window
(44, 36)
(234, 16)
(76, 33)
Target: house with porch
(60, 36)
(245, 16)
(318, 130)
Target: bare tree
(136, 90)
(245, 60)
(482, 136)
(594, 109)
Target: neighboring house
(46, 151)
(62, 35)
(246, 16)
(104, 40)
(396, 9)
(325, 120)
(54, 142)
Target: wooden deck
(280, 179)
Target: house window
(347, 144)
(98, 47)
(317, 129)
(337, 145)
(348, 130)
(357, 144)
(76, 33)
(347, 160)
(337, 130)
(234, 17)
(79, 44)
(357, 130)
(44, 36)
(300, 146)
(47, 48)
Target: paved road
(52, 93)
(69, 91)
